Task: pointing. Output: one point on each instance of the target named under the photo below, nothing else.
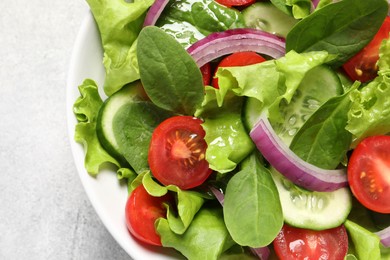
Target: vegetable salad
(243, 128)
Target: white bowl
(107, 195)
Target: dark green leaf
(170, 76)
(252, 209)
(315, 140)
(342, 28)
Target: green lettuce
(297, 8)
(86, 109)
(269, 82)
(188, 202)
(228, 142)
(206, 237)
(119, 23)
(370, 111)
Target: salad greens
(197, 225)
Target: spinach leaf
(252, 209)
(342, 28)
(191, 20)
(133, 126)
(323, 139)
(170, 76)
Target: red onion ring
(384, 235)
(154, 12)
(219, 44)
(290, 165)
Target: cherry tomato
(142, 211)
(206, 73)
(363, 65)
(177, 152)
(230, 3)
(369, 173)
(238, 59)
(296, 243)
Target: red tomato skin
(302, 244)
(369, 173)
(237, 59)
(363, 66)
(141, 212)
(166, 163)
(206, 74)
(230, 3)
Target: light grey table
(44, 211)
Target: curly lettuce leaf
(206, 237)
(86, 109)
(270, 82)
(119, 23)
(370, 111)
(297, 8)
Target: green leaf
(314, 142)
(191, 20)
(228, 142)
(188, 203)
(342, 28)
(169, 74)
(370, 111)
(366, 245)
(86, 109)
(133, 126)
(252, 209)
(119, 24)
(206, 237)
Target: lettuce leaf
(228, 142)
(270, 82)
(365, 245)
(188, 203)
(119, 23)
(370, 111)
(86, 109)
(206, 237)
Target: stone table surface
(44, 211)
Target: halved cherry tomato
(142, 211)
(206, 73)
(230, 3)
(238, 59)
(177, 152)
(363, 65)
(369, 173)
(296, 243)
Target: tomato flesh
(297, 243)
(142, 211)
(369, 173)
(238, 59)
(230, 3)
(177, 152)
(363, 66)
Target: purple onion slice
(219, 44)
(154, 12)
(290, 165)
(384, 235)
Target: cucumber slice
(311, 209)
(113, 104)
(265, 16)
(319, 85)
